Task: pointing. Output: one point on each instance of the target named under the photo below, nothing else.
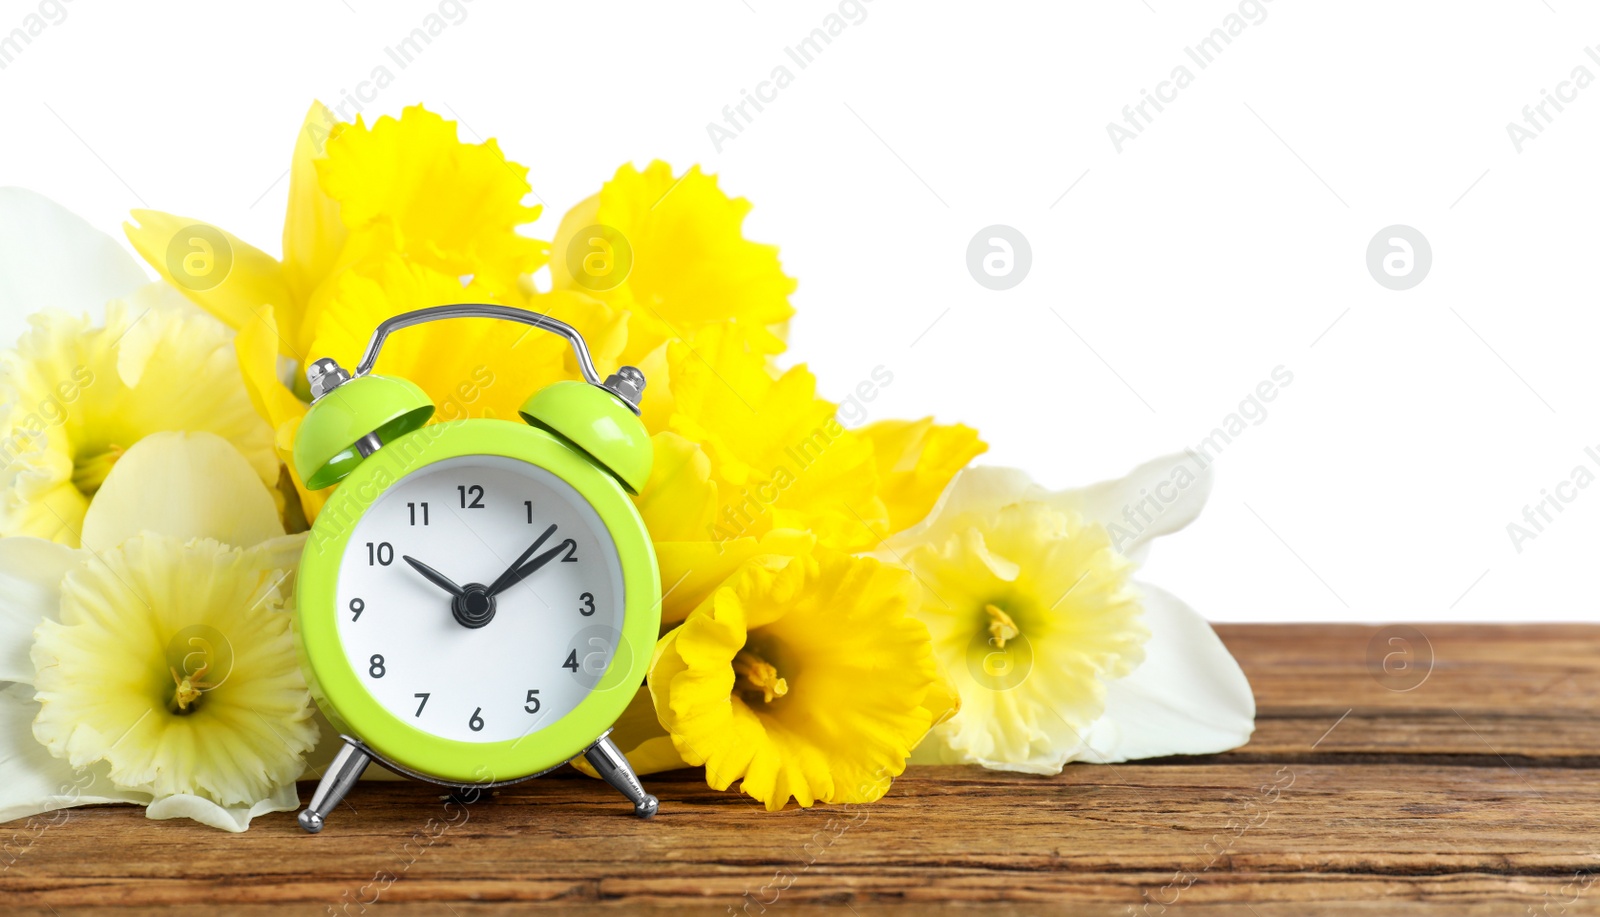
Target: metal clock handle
(627, 383)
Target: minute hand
(504, 579)
(532, 566)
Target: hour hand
(433, 576)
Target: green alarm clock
(478, 600)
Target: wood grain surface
(1475, 790)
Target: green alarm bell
(478, 600)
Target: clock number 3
(588, 604)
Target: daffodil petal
(680, 499)
(186, 485)
(234, 819)
(34, 781)
(1157, 498)
(31, 570)
(253, 279)
(1188, 698)
(313, 234)
(52, 259)
(979, 489)
(690, 570)
(916, 460)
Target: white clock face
(426, 653)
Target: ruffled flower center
(1001, 626)
(756, 678)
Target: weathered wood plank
(1474, 793)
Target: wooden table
(1474, 792)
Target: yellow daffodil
(671, 251)
(403, 201)
(915, 460)
(1056, 652)
(750, 462)
(78, 395)
(801, 677)
(162, 668)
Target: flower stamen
(189, 689)
(89, 470)
(758, 676)
(1001, 627)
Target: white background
(1226, 240)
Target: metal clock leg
(610, 763)
(341, 776)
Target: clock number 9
(357, 607)
(588, 600)
(376, 669)
(476, 722)
(532, 706)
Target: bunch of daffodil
(836, 596)
(753, 467)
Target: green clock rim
(337, 686)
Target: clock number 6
(476, 722)
(532, 706)
(588, 600)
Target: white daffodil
(51, 258)
(1057, 653)
(155, 665)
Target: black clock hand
(433, 576)
(532, 566)
(502, 581)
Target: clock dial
(480, 599)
